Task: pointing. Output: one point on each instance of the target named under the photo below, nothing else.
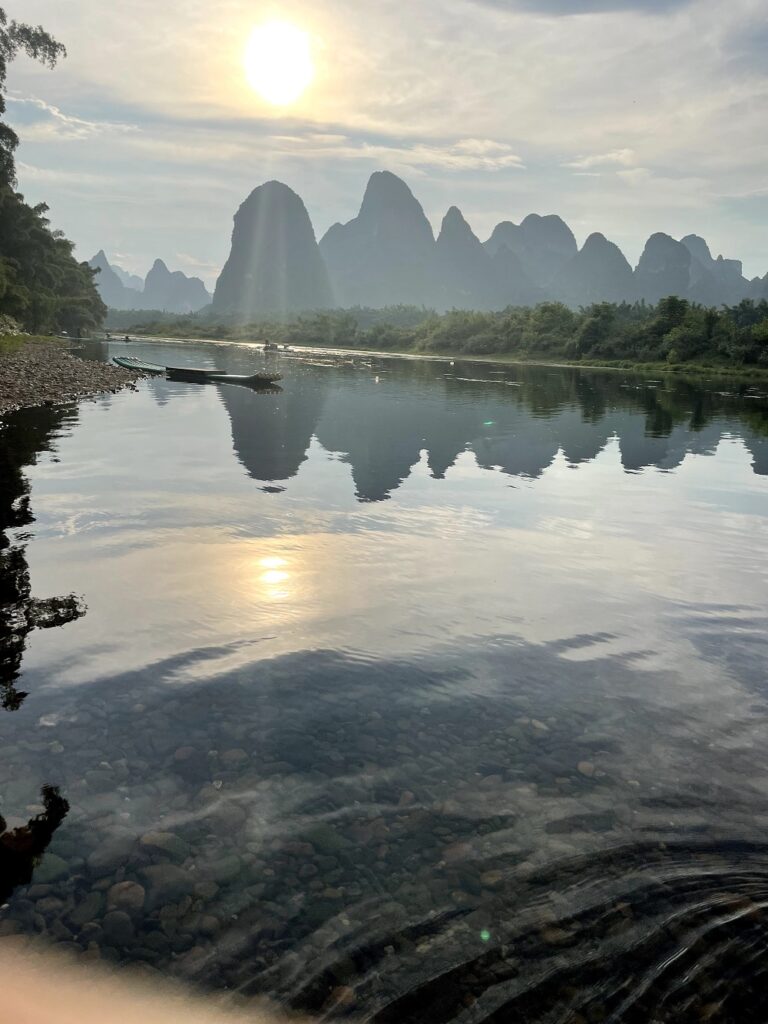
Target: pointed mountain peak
(455, 227)
(99, 260)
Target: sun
(278, 62)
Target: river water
(412, 692)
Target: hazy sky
(623, 116)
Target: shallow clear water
(414, 691)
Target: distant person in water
(21, 848)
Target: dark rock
(167, 844)
(224, 870)
(50, 869)
(127, 896)
(118, 929)
(111, 855)
(88, 909)
(166, 883)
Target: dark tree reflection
(21, 848)
(23, 437)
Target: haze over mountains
(389, 255)
(171, 292)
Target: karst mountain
(388, 255)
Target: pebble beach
(40, 372)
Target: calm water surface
(413, 692)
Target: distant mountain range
(388, 255)
(170, 292)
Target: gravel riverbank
(45, 373)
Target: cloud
(635, 176)
(575, 7)
(623, 122)
(456, 155)
(618, 157)
(42, 120)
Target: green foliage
(675, 332)
(42, 285)
(18, 38)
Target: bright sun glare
(278, 62)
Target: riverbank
(672, 336)
(42, 371)
(754, 374)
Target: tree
(42, 285)
(37, 44)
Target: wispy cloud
(456, 155)
(617, 157)
(44, 121)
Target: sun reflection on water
(275, 574)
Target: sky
(622, 116)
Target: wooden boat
(199, 375)
(129, 363)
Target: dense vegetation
(42, 286)
(675, 332)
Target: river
(414, 691)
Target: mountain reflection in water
(491, 749)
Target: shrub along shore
(674, 334)
(41, 371)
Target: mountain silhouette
(173, 292)
(466, 270)
(599, 272)
(274, 265)
(113, 292)
(170, 292)
(664, 269)
(386, 255)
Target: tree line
(674, 332)
(43, 288)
